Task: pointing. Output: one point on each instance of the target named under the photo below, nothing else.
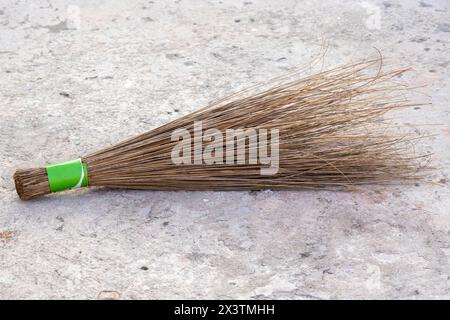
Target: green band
(67, 175)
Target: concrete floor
(76, 76)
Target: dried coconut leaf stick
(321, 131)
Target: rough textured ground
(78, 75)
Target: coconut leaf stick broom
(322, 131)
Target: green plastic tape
(67, 175)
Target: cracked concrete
(79, 75)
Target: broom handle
(67, 175)
(53, 178)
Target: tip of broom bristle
(31, 183)
(19, 185)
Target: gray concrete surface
(79, 75)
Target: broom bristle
(331, 134)
(31, 183)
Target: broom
(322, 131)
